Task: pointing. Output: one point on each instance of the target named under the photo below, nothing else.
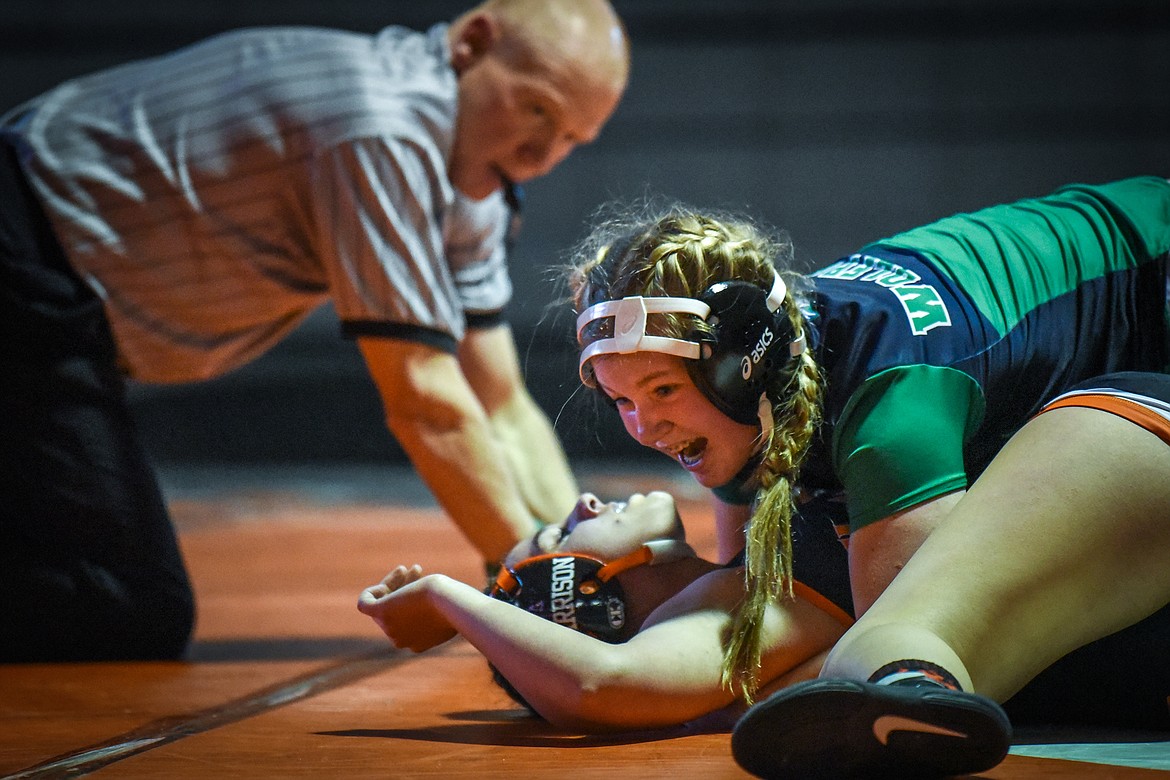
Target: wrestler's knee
(867, 647)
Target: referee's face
(520, 115)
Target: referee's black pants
(89, 565)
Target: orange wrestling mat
(286, 679)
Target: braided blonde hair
(681, 253)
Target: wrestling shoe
(846, 729)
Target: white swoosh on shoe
(886, 724)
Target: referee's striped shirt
(215, 196)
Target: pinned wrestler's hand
(401, 606)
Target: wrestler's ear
(475, 37)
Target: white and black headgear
(748, 347)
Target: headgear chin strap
(735, 363)
(580, 591)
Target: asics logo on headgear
(749, 361)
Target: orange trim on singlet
(1133, 411)
(822, 603)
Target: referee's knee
(162, 626)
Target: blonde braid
(768, 550)
(684, 244)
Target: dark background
(840, 121)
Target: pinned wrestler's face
(520, 111)
(606, 531)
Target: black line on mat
(167, 730)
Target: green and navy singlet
(937, 344)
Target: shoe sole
(841, 729)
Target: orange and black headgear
(580, 591)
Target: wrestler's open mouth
(691, 453)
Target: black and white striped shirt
(215, 196)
